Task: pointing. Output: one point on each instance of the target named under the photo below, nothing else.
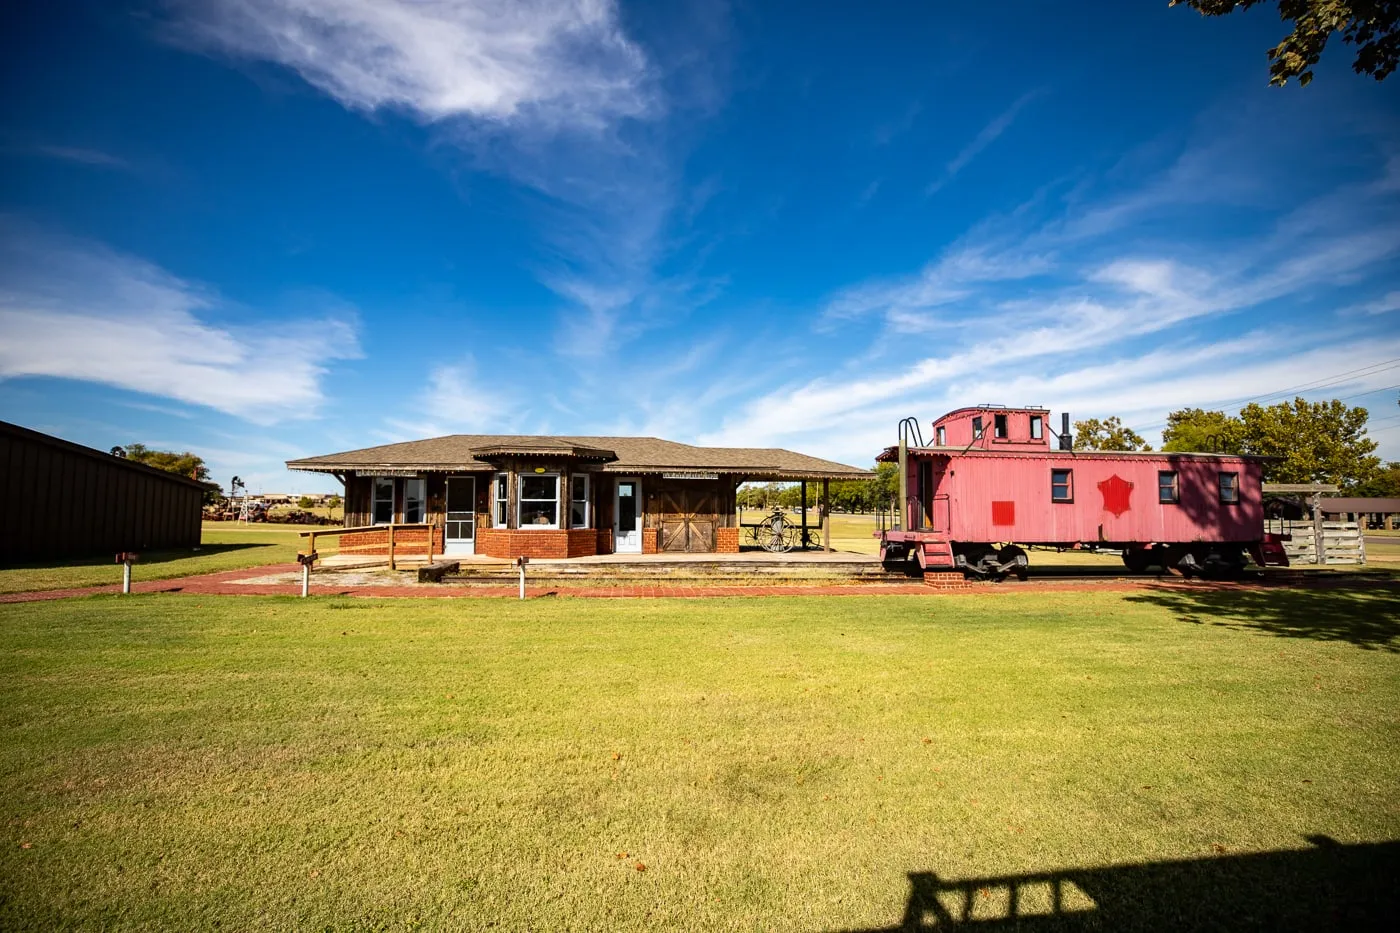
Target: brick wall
(408, 542)
(726, 540)
(536, 544)
(605, 541)
(651, 540)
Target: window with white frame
(941, 436)
(578, 501)
(414, 494)
(1037, 428)
(539, 500)
(500, 493)
(383, 505)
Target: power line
(1324, 382)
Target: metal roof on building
(618, 455)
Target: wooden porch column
(805, 539)
(826, 515)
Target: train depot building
(992, 480)
(555, 497)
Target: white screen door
(627, 517)
(460, 534)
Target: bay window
(578, 501)
(539, 500)
(500, 499)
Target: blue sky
(266, 229)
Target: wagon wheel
(778, 536)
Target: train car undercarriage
(912, 552)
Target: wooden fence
(1342, 542)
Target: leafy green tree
(333, 502)
(185, 464)
(1194, 430)
(305, 502)
(1108, 434)
(1373, 26)
(1384, 483)
(1323, 442)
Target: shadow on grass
(1327, 887)
(147, 557)
(1365, 617)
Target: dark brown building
(505, 496)
(65, 500)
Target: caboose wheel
(1013, 560)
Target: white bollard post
(305, 580)
(126, 577)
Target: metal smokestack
(1066, 439)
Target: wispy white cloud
(566, 62)
(77, 154)
(1387, 303)
(455, 401)
(988, 135)
(552, 94)
(1111, 326)
(75, 310)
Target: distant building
(1377, 512)
(64, 500)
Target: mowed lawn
(223, 546)
(186, 762)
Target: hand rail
(347, 531)
(390, 528)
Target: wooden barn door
(688, 515)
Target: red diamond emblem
(1116, 492)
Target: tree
(1384, 483)
(1322, 442)
(1108, 434)
(1373, 26)
(1194, 430)
(185, 464)
(305, 502)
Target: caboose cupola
(994, 427)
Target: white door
(460, 532)
(627, 517)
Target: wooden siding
(63, 500)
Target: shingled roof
(617, 455)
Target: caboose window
(999, 426)
(1037, 428)
(1061, 485)
(942, 434)
(977, 427)
(1230, 488)
(1167, 491)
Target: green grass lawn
(186, 762)
(223, 546)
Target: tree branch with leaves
(1373, 26)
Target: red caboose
(992, 481)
